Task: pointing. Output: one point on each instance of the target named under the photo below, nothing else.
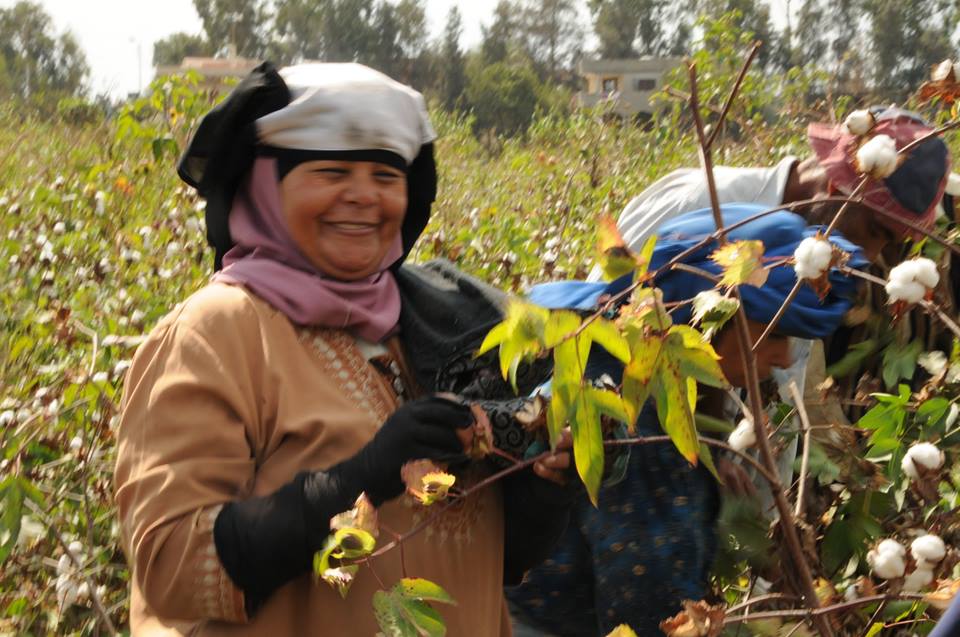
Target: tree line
(529, 48)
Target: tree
(500, 36)
(632, 28)
(552, 34)
(751, 16)
(327, 30)
(907, 37)
(37, 60)
(240, 25)
(503, 97)
(176, 46)
(451, 66)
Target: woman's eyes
(388, 176)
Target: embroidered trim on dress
(218, 597)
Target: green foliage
(403, 611)
(503, 97)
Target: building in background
(628, 85)
(214, 72)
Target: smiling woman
(268, 401)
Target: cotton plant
(878, 157)
(921, 460)
(812, 258)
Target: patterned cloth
(648, 546)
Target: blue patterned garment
(648, 546)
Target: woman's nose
(361, 190)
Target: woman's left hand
(556, 466)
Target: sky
(118, 35)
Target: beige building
(628, 84)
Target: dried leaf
(697, 619)
(363, 515)
(426, 481)
(943, 596)
(742, 263)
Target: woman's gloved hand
(420, 429)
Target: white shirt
(685, 190)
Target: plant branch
(787, 522)
(779, 315)
(733, 92)
(759, 599)
(819, 612)
(805, 458)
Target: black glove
(267, 541)
(421, 429)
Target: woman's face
(773, 352)
(344, 215)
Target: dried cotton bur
(697, 619)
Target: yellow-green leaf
(561, 324)
(622, 631)
(706, 457)
(423, 589)
(637, 375)
(609, 337)
(646, 253)
(558, 411)
(608, 403)
(615, 257)
(696, 358)
(570, 359)
(390, 616)
(493, 338)
(673, 410)
(588, 445)
(742, 263)
(352, 543)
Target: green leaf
(352, 543)
(427, 621)
(900, 361)
(851, 361)
(423, 589)
(609, 337)
(699, 362)
(588, 444)
(11, 496)
(875, 629)
(931, 411)
(570, 360)
(390, 616)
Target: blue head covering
(781, 232)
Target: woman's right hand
(420, 429)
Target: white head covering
(347, 107)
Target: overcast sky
(118, 35)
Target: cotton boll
(934, 362)
(66, 592)
(953, 184)
(952, 414)
(911, 292)
(859, 122)
(76, 444)
(917, 580)
(926, 272)
(83, 591)
(743, 436)
(944, 72)
(928, 550)
(878, 157)
(911, 280)
(64, 565)
(812, 258)
(887, 565)
(892, 547)
(923, 456)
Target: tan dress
(228, 399)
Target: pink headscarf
(265, 260)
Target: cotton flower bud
(928, 550)
(743, 436)
(911, 280)
(812, 258)
(922, 458)
(878, 157)
(917, 580)
(859, 122)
